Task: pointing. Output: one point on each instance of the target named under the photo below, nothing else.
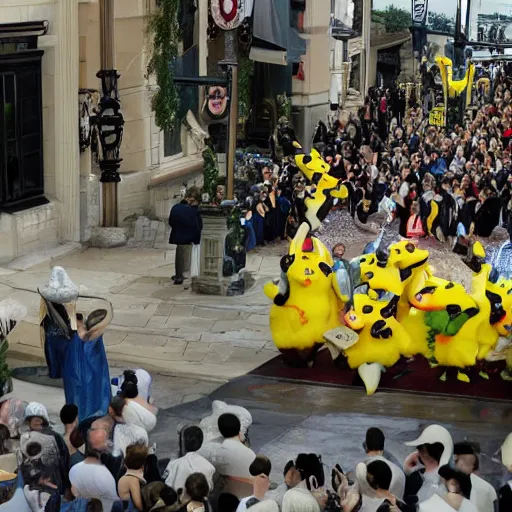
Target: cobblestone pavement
(156, 324)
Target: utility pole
(109, 120)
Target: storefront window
(21, 137)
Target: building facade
(50, 192)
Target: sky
(449, 7)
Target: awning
(340, 31)
(272, 32)
(277, 57)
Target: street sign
(419, 11)
(437, 117)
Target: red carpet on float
(407, 375)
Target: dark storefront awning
(275, 41)
(340, 31)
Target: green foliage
(5, 371)
(393, 18)
(164, 33)
(284, 106)
(235, 238)
(441, 22)
(210, 172)
(245, 77)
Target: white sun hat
(506, 452)
(59, 289)
(436, 434)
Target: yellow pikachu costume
(402, 271)
(457, 344)
(308, 303)
(324, 187)
(381, 338)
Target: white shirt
(437, 504)
(94, 481)
(483, 494)
(235, 459)
(242, 506)
(180, 469)
(36, 500)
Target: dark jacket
(505, 498)
(186, 224)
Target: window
(21, 133)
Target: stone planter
(221, 271)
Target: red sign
(228, 14)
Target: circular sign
(228, 14)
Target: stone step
(31, 260)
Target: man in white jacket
(483, 494)
(177, 471)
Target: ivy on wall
(210, 172)
(164, 34)
(284, 106)
(245, 76)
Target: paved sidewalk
(156, 324)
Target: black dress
(505, 498)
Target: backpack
(415, 227)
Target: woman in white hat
(74, 345)
(456, 498)
(434, 448)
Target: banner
(419, 12)
(437, 117)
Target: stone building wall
(38, 228)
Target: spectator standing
(69, 418)
(129, 486)
(177, 471)
(374, 445)
(235, 458)
(260, 469)
(483, 495)
(91, 479)
(186, 226)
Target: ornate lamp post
(109, 119)
(228, 15)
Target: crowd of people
(397, 166)
(108, 464)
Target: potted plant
(11, 312)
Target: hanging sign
(216, 102)
(419, 12)
(437, 117)
(228, 14)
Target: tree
(441, 22)
(393, 18)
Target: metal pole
(110, 160)
(468, 18)
(230, 59)
(107, 34)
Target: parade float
(384, 306)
